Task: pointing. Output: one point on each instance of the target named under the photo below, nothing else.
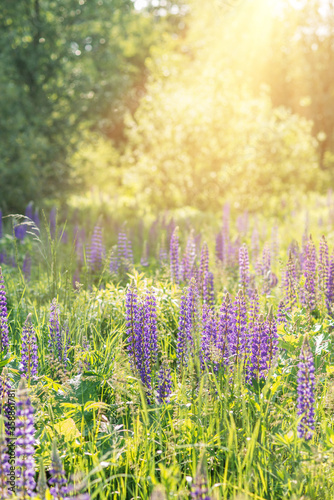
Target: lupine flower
(4, 339)
(238, 338)
(306, 384)
(96, 251)
(225, 328)
(220, 247)
(323, 268)
(310, 273)
(187, 319)
(329, 291)
(203, 269)
(4, 462)
(244, 277)
(188, 260)
(281, 312)
(174, 257)
(142, 348)
(290, 284)
(150, 328)
(271, 326)
(165, 383)
(29, 351)
(59, 488)
(24, 452)
(210, 346)
(131, 306)
(55, 340)
(5, 388)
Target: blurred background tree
(167, 103)
(68, 69)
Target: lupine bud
(4, 462)
(4, 339)
(306, 383)
(24, 452)
(174, 257)
(29, 351)
(165, 383)
(59, 488)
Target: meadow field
(169, 359)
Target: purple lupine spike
(225, 328)
(253, 313)
(150, 328)
(29, 352)
(188, 260)
(29, 211)
(323, 267)
(129, 253)
(54, 330)
(191, 315)
(306, 385)
(5, 388)
(26, 268)
(281, 313)
(244, 276)
(203, 266)
(20, 231)
(290, 284)
(4, 337)
(310, 272)
(181, 350)
(96, 251)
(210, 340)
(4, 462)
(238, 338)
(142, 347)
(131, 306)
(174, 257)
(25, 434)
(165, 383)
(59, 487)
(53, 221)
(329, 291)
(258, 365)
(220, 247)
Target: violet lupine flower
(131, 306)
(4, 338)
(29, 351)
(220, 247)
(165, 383)
(150, 328)
(174, 257)
(182, 348)
(5, 388)
(281, 313)
(238, 336)
(253, 314)
(310, 273)
(96, 251)
(188, 260)
(55, 338)
(59, 488)
(142, 348)
(203, 268)
(25, 434)
(163, 256)
(290, 284)
(244, 277)
(4, 462)
(26, 268)
(225, 328)
(258, 363)
(329, 291)
(323, 267)
(306, 400)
